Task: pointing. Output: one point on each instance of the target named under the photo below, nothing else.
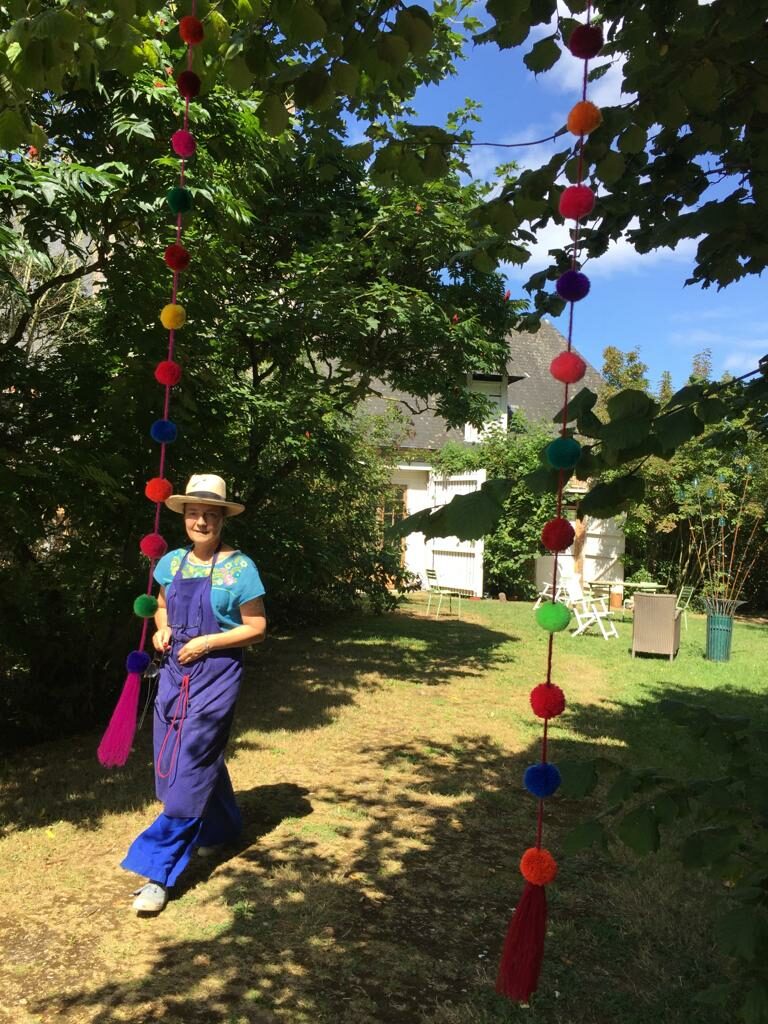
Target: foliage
(714, 824)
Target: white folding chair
(589, 611)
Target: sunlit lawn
(379, 763)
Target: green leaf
(712, 410)
(13, 130)
(741, 932)
(415, 24)
(306, 24)
(755, 1008)
(709, 846)
(588, 465)
(580, 403)
(633, 139)
(579, 779)
(611, 168)
(629, 403)
(238, 74)
(583, 836)
(543, 480)
(393, 49)
(273, 114)
(625, 433)
(313, 90)
(345, 79)
(607, 499)
(685, 396)
(589, 425)
(544, 55)
(467, 516)
(675, 428)
(639, 830)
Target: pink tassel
(117, 741)
(524, 946)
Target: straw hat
(205, 489)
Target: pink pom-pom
(568, 368)
(183, 143)
(168, 373)
(153, 545)
(547, 700)
(576, 202)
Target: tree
(666, 390)
(701, 368)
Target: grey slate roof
(532, 389)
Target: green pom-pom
(563, 453)
(179, 199)
(145, 606)
(553, 616)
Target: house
(524, 385)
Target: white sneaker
(150, 898)
(208, 851)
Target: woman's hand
(195, 649)
(162, 638)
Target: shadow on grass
(296, 682)
(408, 928)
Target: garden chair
(656, 625)
(683, 600)
(589, 611)
(437, 589)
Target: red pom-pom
(188, 84)
(538, 866)
(153, 545)
(586, 41)
(168, 373)
(557, 535)
(176, 256)
(191, 30)
(158, 489)
(577, 201)
(568, 367)
(547, 700)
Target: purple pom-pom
(541, 779)
(572, 285)
(163, 431)
(137, 661)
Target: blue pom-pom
(137, 661)
(163, 431)
(563, 453)
(541, 779)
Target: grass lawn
(378, 762)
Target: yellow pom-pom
(584, 118)
(172, 317)
(538, 866)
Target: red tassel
(524, 946)
(117, 741)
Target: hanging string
(523, 951)
(116, 743)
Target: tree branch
(41, 290)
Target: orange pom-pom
(584, 118)
(538, 866)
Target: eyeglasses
(209, 517)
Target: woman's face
(203, 522)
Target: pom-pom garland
(584, 118)
(188, 84)
(568, 368)
(553, 616)
(145, 606)
(179, 199)
(176, 256)
(138, 662)
(573, 286)
(563, 452)
(538, 866)
(168, 373)
(153, 545)
(547, 700)
(191, 30)
(173, 316)
(158, 489)
(586, 41)
(542, 780)
(183, 143)
(163, 431)
(557, 535)
(576, 201)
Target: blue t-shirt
(235, 581)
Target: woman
(209, 608)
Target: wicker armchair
(656, 625)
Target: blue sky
(635, 300)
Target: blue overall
(194, 707)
